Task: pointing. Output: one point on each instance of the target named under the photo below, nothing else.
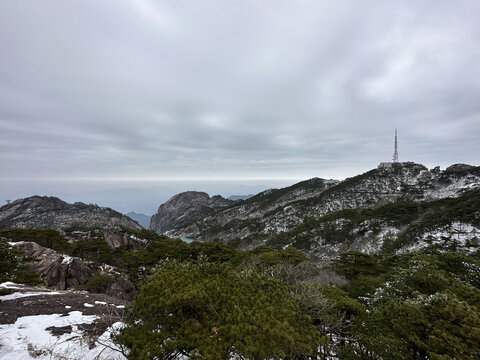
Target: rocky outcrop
(115, 238)
(185, 208)
(252, 221)
(65, 272)
(459, 168)
(59, 271)
(44, 212)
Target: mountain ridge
(49, 212)
(260, 217)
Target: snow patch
(10, 285)
(13, 243)
(460, 236)
(19, 295)
(67, 259)
(28, 336)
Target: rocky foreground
(37, 323)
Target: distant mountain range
(396, 207)
(142, 219)
(240, 197)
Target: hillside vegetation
(448, 224)
(213, 301)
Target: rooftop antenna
(395, 154)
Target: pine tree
(210, 311)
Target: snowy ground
(62, 327)
(29, 338)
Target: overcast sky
(142, 89)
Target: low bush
(99, 283)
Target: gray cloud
(237, 89)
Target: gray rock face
(115, 238)
(184, 208)
(44, 212)
(59, 271)
(273, 211)
(65, 272)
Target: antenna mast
(395, 154)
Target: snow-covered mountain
(451, 224)
(252, 222)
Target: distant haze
(147, 98)
(141, 197)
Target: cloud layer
(235, 89)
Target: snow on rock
(18, 295)
(457, 235)
(375, 242)
(13, 243)
(10, 285)
(28, 338)
(88, 305)
(453, 189)
(67, 259)
(109, 269)
(58, 270)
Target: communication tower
(395, 154)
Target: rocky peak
(184, 208)
(182, 200)
(46, 212)
(456, 168)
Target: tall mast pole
(395, 154)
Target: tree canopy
(210, 311)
